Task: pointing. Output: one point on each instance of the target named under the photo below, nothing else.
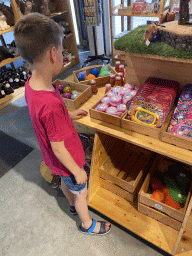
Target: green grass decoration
(133, 43)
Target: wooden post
(183, 226)
(17, 13)
(129, 19)
(111, 25)
(122, 18)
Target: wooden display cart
(119, 209)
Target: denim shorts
(72, 185)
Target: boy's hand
(78, 114)
(81, 177)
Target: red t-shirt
(51, 122)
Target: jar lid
(117, 78)
(121, 66)
(112, 75)
(117, 63)
(92, 81)
(120, 74)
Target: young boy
(39, 40)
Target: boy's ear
(53, 54)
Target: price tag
(158, 206)
(147, 42)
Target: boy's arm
(67, 160)
(76, 114)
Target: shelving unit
(104, 198)
(127, 11)
(119, 209)
(69, 43)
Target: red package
(153, 101)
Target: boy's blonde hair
(34, 34)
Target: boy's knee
(83, 194)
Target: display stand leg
(96, 57)
(183, 227)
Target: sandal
(73, 210)
(90, 230)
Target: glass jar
(117, 63)
(107, 87)
(112, 80)
(122, 69)
(117, 81)
(120, 74)
(93, 86)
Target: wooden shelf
(8, 99)
(8, 61)
(69, 64)
(126, 214)
(121, 34)
(58, 14)
(171, 151)
(128, 12)
(68, 35)
(7, 30)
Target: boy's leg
(83, 212)
(67, 193)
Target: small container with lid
(102, 107)
(93, 86)
(117, 64)
(107, 87)
(106, 100)
(111, 110)
(117, 81)
(115, 100)
(120, 74)
(112, 80)
(122, 69)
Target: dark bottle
(7, 88)
(16, 83)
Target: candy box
(149, 111)
(179, 130)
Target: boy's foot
(97, 228)
(72, 210)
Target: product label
(158, 206)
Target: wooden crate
(105, 117)
(176, 140)
(123, 169)
(144, 129)
(100, 81)
(85, 92)
(151, 207)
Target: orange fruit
(90, 77)
(158, 195)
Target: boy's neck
(41, 80)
